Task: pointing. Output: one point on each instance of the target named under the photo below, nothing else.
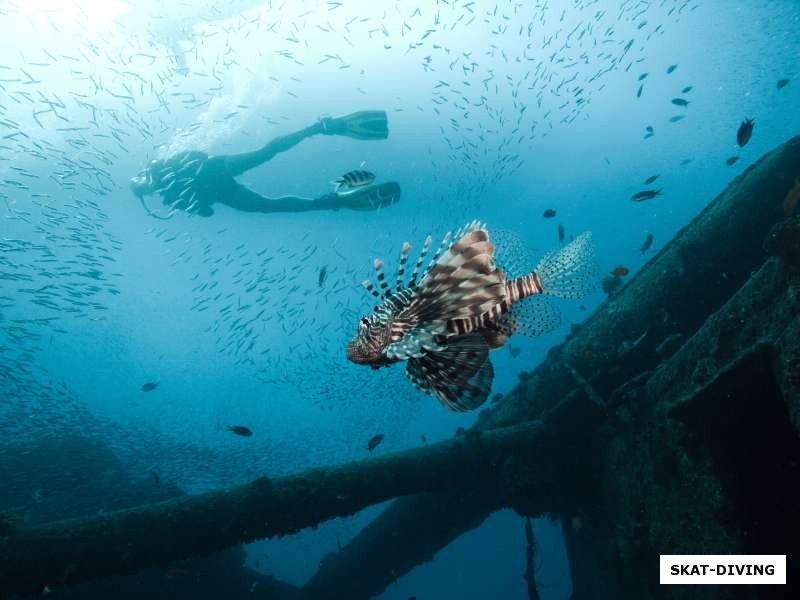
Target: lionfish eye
(364, 321)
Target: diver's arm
(236, 164)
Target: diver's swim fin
(362, 125)
(370, 197)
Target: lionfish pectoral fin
(413, 342)
(463, 282)
(460, 375)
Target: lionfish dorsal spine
(370, 287)
(401, 269)
(442, 246)
(412, 282)
(384, 285)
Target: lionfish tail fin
(571, 271)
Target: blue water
(90, 94)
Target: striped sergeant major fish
(353, 179)
(444, 322)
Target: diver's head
(367, 347)
(142, 183)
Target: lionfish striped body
(445, 323)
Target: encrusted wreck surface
(129, 540)
(701, 457)
(668, 423)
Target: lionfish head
(374, 331)
(367, 347)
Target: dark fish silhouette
(611, 284)
(782, 83)
(620, 271)
(686, 161)
(731, 160)
(240, 430)
(676, 118)
(686, 90)
(514, 351)
(680, 102)
(497, 397)
(150, 386)
(651, 179)
(639, 91)
(323, 275)
(648, 241)
(549, 213)
(671, 68)
(374, 442)
(643, 76)
(560, 233)
(745, 132)
(645, 195)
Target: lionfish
(444, 322)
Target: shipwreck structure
(667, 423)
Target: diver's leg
(236, 164)
(249, 201)
(363, 125)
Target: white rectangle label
(722, 568)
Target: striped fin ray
(435, 257)
(370, 287)
(384, 285)
(401, 269)
(412, 282)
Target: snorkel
(142, 185)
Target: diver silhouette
(193, 181)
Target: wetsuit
(192, 181)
